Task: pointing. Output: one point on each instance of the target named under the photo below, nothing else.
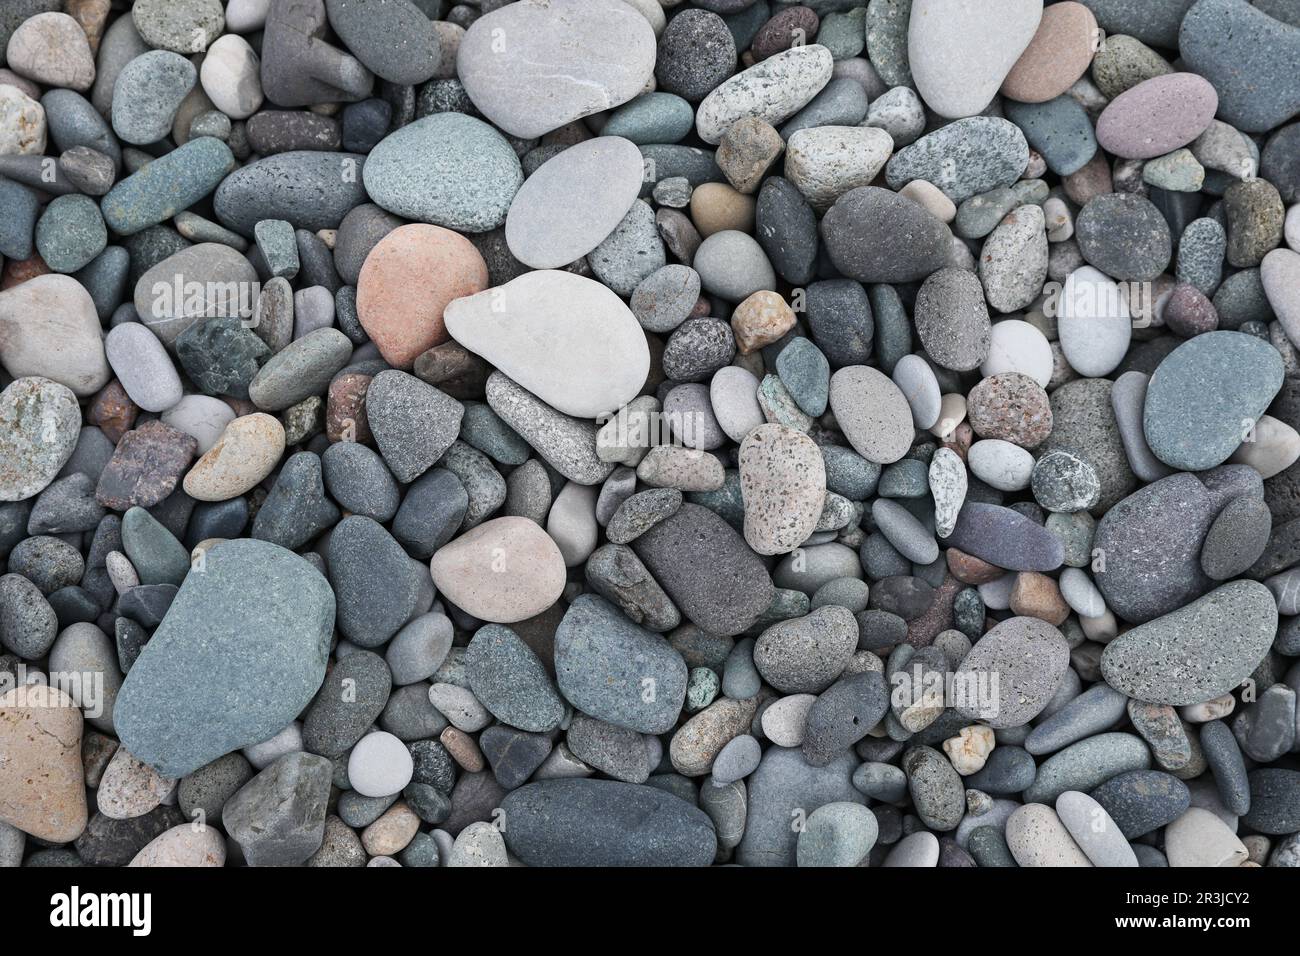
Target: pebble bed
(634, 432)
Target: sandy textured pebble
(42, 787)
(52, 48)
(546, 75)
(567, 443)
(1060, 53)
(827, 161)
(874, 235)
(773, 90)
(948, 486)
(1030, 657)
(1157, 116)
(783, 482)
(248, 451)
(183, 846)
(1037, 837)
(505, 570)
(408, 280)
(872, 413)
(1169, 661)
(993, 150)
(39, 425)
(49, 328)
(569, 340)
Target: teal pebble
(652, 118)
(701, 689)
(844, 34)
(276, 242)
(70, 233)
(806, 374)
(167, 186)
(1059, 129)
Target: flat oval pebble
(505, 570)
(1167, 661)
(1157, 116)
(1186, 431)
(772, 90)
(573, 201)
(551, 331)
(518, 89)
(872, 412)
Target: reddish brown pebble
(1188, 312)
(407, 281)
(112, 411)
(1036, 595)
(921, 631)
(962, 437)
(463, 749)
(18, 271)
(793, 26)
(969, 569)
(1060, 52)
(146, 467)
(1092, 180)
(454, 369)
(1012, 407)
(345, 409)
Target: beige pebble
(504, 570)
(760, 320)
(130, 787)
(970, 749)
(463, 749)
(1206, 711)
(716, 207)
(392, 831)
(1037, 837)
(686, 469)
(1200, 838)
(42, 785)
(247, 451)
(952, 412)
(931, 198)
(184, 845)
(1273, 448)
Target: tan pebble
(970, 749)
(1037, 595)
(247, 451)
(952, 412)
(504, 570)
(747, 151)
(392, 831)
(463, 749)
(1060, 52)
(130, 787)
(184, 845)
(932, 198)
(716, 207)
(760, 320)
(42, 785)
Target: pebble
(517, 89)
(505, 570)
(499, 325)
(1163, 662)
(41, 422)
(772, 90)
(872, 412)
(557, 217)
(861, 247)
(1037, 837)
(466, 179)
(580, 822)
(264, 643)
(959, 58)
(1194, 435)
(994, 153)
(1125, 236)
(1094, 830)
